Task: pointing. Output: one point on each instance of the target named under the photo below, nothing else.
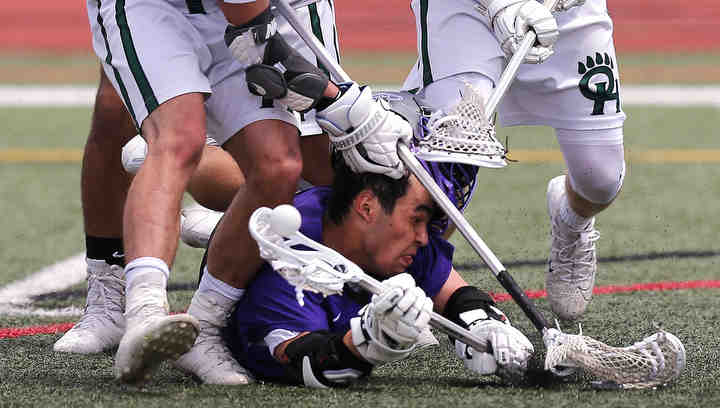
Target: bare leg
(175, 133)
(269, 154)
(104, 186)
(316, 150)
(104, 183)
(216, 179)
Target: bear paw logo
(605, 87)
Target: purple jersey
(270, 303)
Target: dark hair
(348, 184)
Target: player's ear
(366, 205)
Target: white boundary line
(16, 297)
(79, 96)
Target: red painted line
(638, 287)
(14, 332)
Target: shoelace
(210, 339)
(104, 300)
(578, 252)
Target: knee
(599, 184)
(276, 176)
(596, 162)
(180, 146)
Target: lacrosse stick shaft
(473, 238)
(510, 72)
(416, 168)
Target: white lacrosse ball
(285, 220)
(133, 154)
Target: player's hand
(511, 19)
(510, 349)
(390, 325)
(366, 131)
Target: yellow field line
(523, 156)
(40, 155)
(634, 156)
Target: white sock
(572, 219)
(143, 265)
(209, 283)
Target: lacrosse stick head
(304, 263)
(651, 362)
(461, 135)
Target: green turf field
(364, 67)
(664, 227)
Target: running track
(372, 25)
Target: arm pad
(321, 360)
(467, 299)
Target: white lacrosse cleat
(573, 263)
(103, 323)
(197, 224)
(152, 336)
(210, 360)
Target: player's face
(396, 237)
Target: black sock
(109, 250)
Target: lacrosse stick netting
(654, 361)
(304, 270)
(463, 134)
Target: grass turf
(364, 67)
(664, 208)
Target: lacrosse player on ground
(392, 230)
(574, 89)
(175, 94)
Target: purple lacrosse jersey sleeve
(270, 303)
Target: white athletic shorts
(155, 50)
(577, 88)
(319, 18)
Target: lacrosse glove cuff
(365, 131)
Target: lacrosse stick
(653, 361)
(320, 269)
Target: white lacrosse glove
(511, 350)
(390, 326)
(564, 5)
(366, 131)
(511, 19)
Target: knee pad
(596, 162)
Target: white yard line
(68, 96)
(46, 96)
(53, 278)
